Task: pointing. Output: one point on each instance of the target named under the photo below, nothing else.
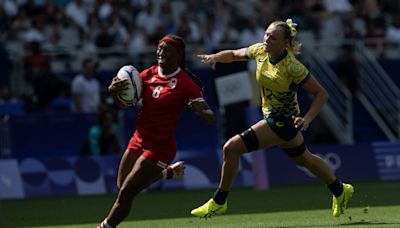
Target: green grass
(375, 204)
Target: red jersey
(164, 98)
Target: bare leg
(312, 162)
(232, 151)
(125, 167)
(316, 166)
(235, 147)
(143, 173)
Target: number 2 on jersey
(266, 93)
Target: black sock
(336, 188)
(220, 196)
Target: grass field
(375, 204)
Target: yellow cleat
(339, 204)
(209, 209)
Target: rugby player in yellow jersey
(278, 74)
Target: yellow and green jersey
(278, 81)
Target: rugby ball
(135, 84)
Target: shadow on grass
(369, 223)
(360, 223)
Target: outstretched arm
(225, 56)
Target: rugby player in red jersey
(168, 88)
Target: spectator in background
(85, 89)
(6, 96)
(212, 35)
(37, 32)
(118, 28)
(336, 11)
(5, 66)
(148, 20)
(137, 45)
(251, 33)
(105, 38)
(77, 12)
(38, 73)
(347, 68)
(189, 29)
(37, 62)
(354, 27)
(166, 18)
(5, 23)
(375, 32)
(104, 136)
(393, 31)
(370, 9)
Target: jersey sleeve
(297, 72)
(252, 51)
(144, 73)
(194, 91)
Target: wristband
(168, 173)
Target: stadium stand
(114, 33)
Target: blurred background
(61, 134)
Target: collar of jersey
(168, 75)
(274, 62)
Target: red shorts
(162, 153)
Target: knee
(230, 150)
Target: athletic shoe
(210, 209)
(339, 204)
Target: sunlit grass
(375, 204)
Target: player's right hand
(117, 86)
(208, 59)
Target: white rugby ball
(135, 84)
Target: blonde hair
(290, 32)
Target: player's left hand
(301, 122)
(202, 109)
(117, 86)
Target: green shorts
(283, 127)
